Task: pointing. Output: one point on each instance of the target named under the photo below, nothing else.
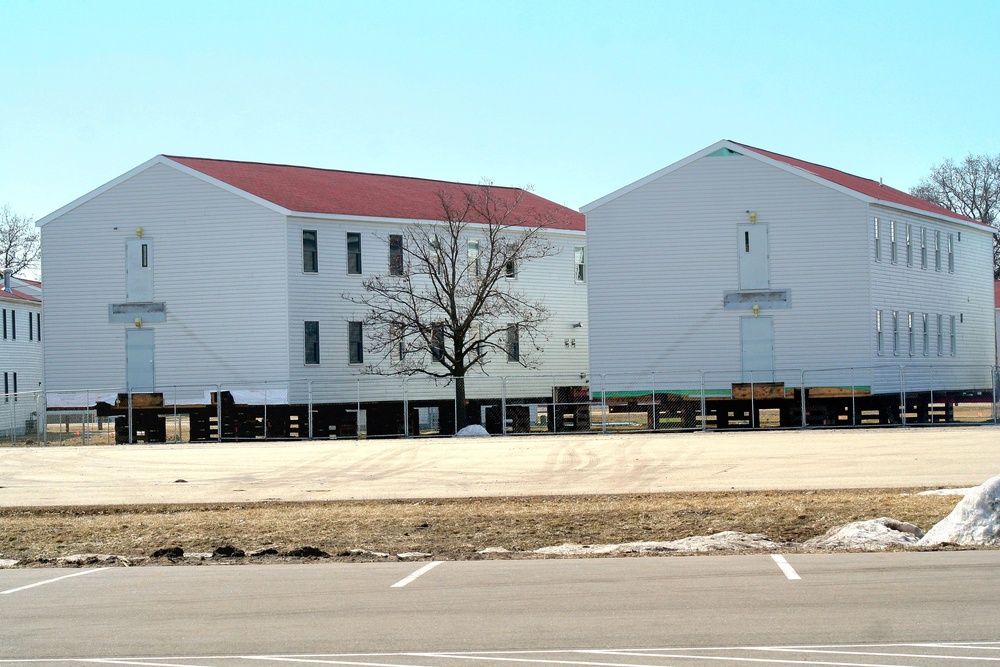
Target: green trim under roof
(723, 152)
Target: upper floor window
(910, 338)
(395, 254)
(354, 252)
(923, 247)
(397, 342)
(579, 258)
(937, 250)
(510, 269)
(473, 256)
(940, 335)
(909, 245)
(892, 241)
(927, 334)
(951, 253)
(878, 242)
(310, 251)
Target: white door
(138, 270)
(757, 347)
(753, 256)
(139, 359)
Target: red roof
(329, 191)
(18, 294)
(864, 186)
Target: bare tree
(448, 303)
(19, 243)
(970, 188)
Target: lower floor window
(312, 342)
(513, 343)
(355, 343)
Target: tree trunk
(461, 418)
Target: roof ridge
(339, 171)
(816, 164)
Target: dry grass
(450, 529)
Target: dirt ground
(450, 529)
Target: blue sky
(573, 98)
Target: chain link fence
(376, 406)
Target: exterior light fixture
(756, 310)
(138, 232)
(753, 216)
(138, 322)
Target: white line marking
(425, 569)
(109, 661)
(879, 653)
(770, 661)
(327, 662)
(49, 581)
(785, 567)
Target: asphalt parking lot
(528, 465)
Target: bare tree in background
(450, 300)
(970, 188)
(19, 241)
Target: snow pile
(947, 492)
(872, 534)
(725, 541)
(974, 521)
(473, 431)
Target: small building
(738, 265)
(20, 355)
(214, 285)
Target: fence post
(503, 405)
(854, 407)
(652, 408)
(131, 430)
(309, 398)
(704, 403)
(993, 375)
(218, 412)
(604, 403)
(265, 409)
(902, 393)
(406, 410)
(753, 408)
(802, 397)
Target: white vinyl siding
(648, 314)
(214, 300)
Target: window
(895, 332)
(353, 252)
(879, 345)
(513, 343)
(437, 256)
(951, 253)
(940, 335)
(475, 345)
(13, 325)
(6, 387)
(397, 342)
(909, 245)
(312, 342)
(38, 327)
(878, 243)
(473, 254)
(911, 341)
(437, 342)
(510, 269)
(927, 334)
(892, 241)
(937, 250)
(310, 253)
(31, 326)
(923, 247)
(355, 343)
(952, 340)
(5, 324)
(395, 254)
(579, 257)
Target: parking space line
(785, 567)
(109, 661)
(49, 581)
(877, 653)
(425, 569)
